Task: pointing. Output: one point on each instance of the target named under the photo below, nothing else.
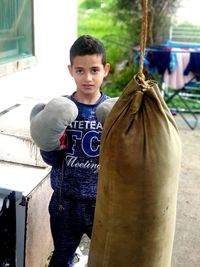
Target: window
(16, 31)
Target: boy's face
(88, 73)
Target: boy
(75, 156)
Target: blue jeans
(68, 226)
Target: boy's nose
(88, 76)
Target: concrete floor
(186, 251)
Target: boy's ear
(70, 69)
(106, 69)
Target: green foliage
(177, 103)
(98, 18)
(90, 4)
(116, 24)
(96, 4)
(119, 81)
(186, 32)
(98, 21)
(193, 103)
(160, 13)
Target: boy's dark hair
(87, 45)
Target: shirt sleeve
(53, 158)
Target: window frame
(11, 60)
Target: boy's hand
(49, 122)
(104, 108)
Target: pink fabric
(177, 79)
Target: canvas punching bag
(140, 159)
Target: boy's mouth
(87, 85)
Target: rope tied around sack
(143, 38)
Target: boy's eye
(95, 70)
(79, 71)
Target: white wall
(55, 27)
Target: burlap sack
(137, 191)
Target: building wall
(55, 29)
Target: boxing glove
(48, 123)
(104, 108)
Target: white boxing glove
(104, 108)
(48, 123)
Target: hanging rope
(143, 37)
